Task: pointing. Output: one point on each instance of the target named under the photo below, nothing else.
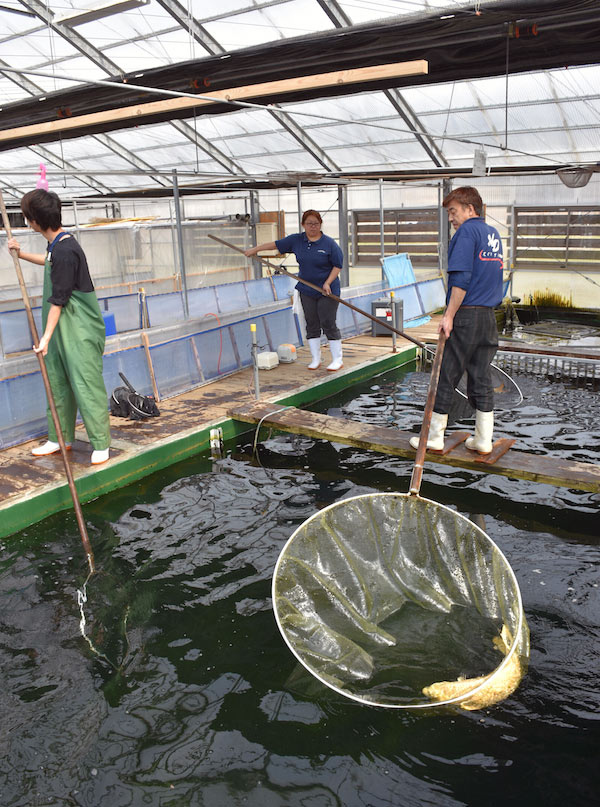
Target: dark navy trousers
(471, 346)
(320, 313)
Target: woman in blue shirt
(320, 262)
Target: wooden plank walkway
(33, 488)
(515, 464)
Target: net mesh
(397, 601)
(507, 395)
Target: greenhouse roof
(113, 95)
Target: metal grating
(554, 367)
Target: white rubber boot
(49, 447)
(435, 438)
(484, 426)
(335, 345)
(315, 352)
(100, 456)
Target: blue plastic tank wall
(129, 310)
(184, 362)
(134, 311)
(23, 409)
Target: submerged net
(397, 601)
(507, 396)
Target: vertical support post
(146, 344)
(513, 247)
(381, 227)
(343, 231)
(299, 199)
(394, 349)
(255, 361)
(444, 228)
(254, 220)
(173, 243)
(180, 250)
(76, 216)
(354, 238)
(143, 303)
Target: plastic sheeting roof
(550, 117)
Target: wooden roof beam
(141, 113)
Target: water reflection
(198, 700)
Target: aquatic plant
(550, 299)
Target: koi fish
(500, 686)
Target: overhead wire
(255, 106)
(51, 48)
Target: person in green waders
(74, 332)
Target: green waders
(74, 363)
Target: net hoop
(510, 384)
(465, 696)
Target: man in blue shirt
(474, 289)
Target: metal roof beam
(130, 157)
(21, 81)
(11, 190)
(216, 154)
(299, 134)
(567, 127)
(335, 13)
(569, 36)
(339, 18)
(494, 132)
(75, 39)
(192, 26)
(409, 117)
(86, 179)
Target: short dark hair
(44, 208)
(465, 196)
(314, 213)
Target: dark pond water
(185, 693)
(555, 332)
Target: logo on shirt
(489, 256)
(493, 242)
(324, 251)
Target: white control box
(267, 360)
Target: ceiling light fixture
(99, 11)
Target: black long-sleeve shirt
(69, 270)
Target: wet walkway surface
(33, 488)
(141, 447)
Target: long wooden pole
(63, 449)
(417, 471)
(385, 324)
(146, 345)
(283, 271)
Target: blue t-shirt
(315, 259)
(475, 263)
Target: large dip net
(397, 601)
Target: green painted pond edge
(33, 508)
